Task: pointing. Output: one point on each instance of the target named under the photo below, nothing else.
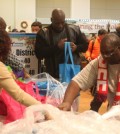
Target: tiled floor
(84, 103)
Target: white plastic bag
(88, 122)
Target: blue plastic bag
(68, 71)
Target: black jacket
(46, 46)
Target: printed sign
(92, 26)
(23, 48)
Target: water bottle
(43, 67)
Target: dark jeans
(93, 90)
(95, 104)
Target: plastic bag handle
(68, 53)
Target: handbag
(68, 71)
(13, 110)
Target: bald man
(50, 42)
(105, 70)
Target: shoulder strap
(93, 41)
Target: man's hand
(89, 59)
(61, 43)
(73, 46)
(65, 106)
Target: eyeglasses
(110, 54)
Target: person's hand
(47, 115)
(65, 106)
(89, 59)
(40, 116)
(61, 43)
(26, 75)
(73, 46)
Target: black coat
(46, 46)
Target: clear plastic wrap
(113, 113)
(45, 82)
(49, 87)
(52, 89)
(88, 122)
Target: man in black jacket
(50, 42)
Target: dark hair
(2, 24)
(5, 45)
(22, 31)
(14, 30)
(118, 28)
(102, 32)
(37, 23)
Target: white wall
(72, 8)
(25, 10)
(80, 9)
(7, 11)
(45, 7)
(16, 11)
(105, 9)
